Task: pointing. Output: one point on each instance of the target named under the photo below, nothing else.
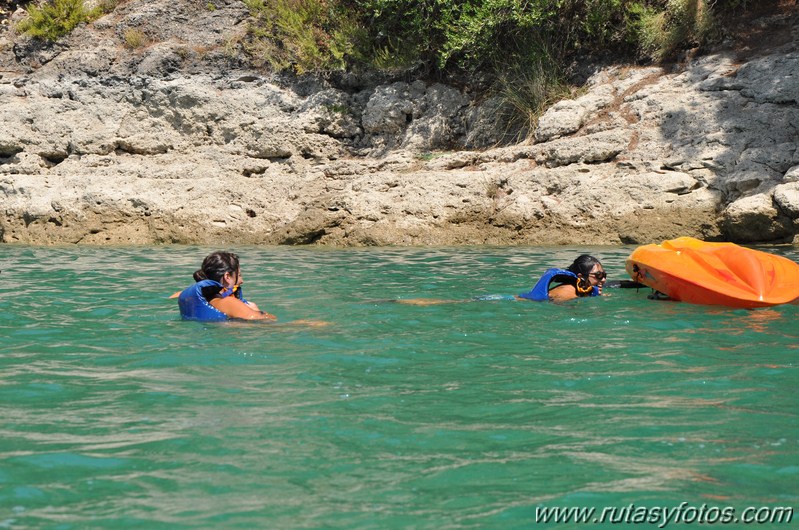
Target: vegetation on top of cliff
(53, 19)
(445, 36)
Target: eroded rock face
(178, 141)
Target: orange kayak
(697, 272)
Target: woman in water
(584, 277)
(216, 295)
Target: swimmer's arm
(235, 308)
(252, 305)
(426, 301)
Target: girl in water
(584, 277)
(217, 295)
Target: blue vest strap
(229, 291)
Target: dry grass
(135, 38)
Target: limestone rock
(786, 198)
(754, 218)
(566, 117)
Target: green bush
(53, 19)
(471, 34)
(413, 31)
(303, 35)
(683, 24)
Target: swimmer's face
(231, 279)
(597, 276)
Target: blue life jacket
(194, 306)
(540, 292)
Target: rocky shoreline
(177, 141)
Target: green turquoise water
(116, 414)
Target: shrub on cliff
(303, 35)
(682, 24)
(442, 36)
(53, 19)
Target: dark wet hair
(583, 265)
(216, 265)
